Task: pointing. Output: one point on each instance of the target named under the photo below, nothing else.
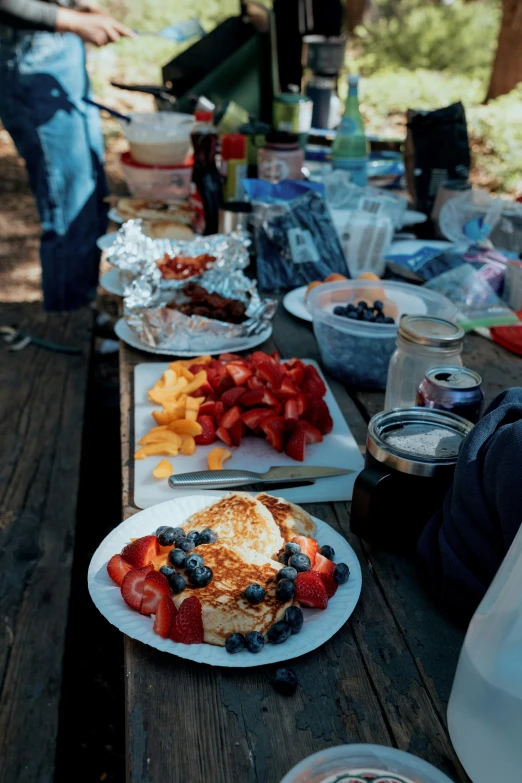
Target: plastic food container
(358, 352)
(336, 764)
(164, 183)
(159, 139)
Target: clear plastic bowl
(358, 352)
(159, 138)
(329, 764)
(162, 183)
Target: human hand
(91, 27)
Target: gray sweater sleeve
(29, 14)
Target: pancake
(292, 520)
(167, 229)
(224, 609)
(241, 520)
(154, 210)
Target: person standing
(43, 80)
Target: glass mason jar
(422, 342)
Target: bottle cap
(282, 137)
(204, 116)
(353, 80)
(233, 146)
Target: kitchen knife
(229, 479)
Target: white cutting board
(338, 450)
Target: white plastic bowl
(161, 183)
(160, 138)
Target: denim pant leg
(60, 139)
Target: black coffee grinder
(323, 59)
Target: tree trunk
(354, 13)
(507, 68)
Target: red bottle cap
(233, 146)
(204, 116)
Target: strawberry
(312, 434)
(287, 390)
(269, 373)
(274, 429)
(309, 546)
(255, 416)
(259, 357)
(195, 368)
(165, 616)
(209, 431)
(224, 385)
(155, 587)
(239, 373)
(302, 403)
(269, 399)
(207, 409)
(252, 397)
(330, 585)
(132, 586)
(237, 432)
(141, 552)
(318, 415)
(323, 566)
(224, 435)
(310, 590)
(296, 444)
(187, 627)
(276, 356)
(231, 397)
(255, 383)
(290, 426)
(291, 411)
(219, 411)
(296, 376)
(231, 357)
(291, 364)
(230, 417)
(313, 384)
(117, 567)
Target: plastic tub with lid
(162, 183)
(159, 139)
(359, 352)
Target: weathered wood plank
(42, 398)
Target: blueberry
(292, 549)
(207, 536)
(368, 316)
(389, 320)
(283, 558)
(255, 641)
(351, 308)
(327, 551)
(167, 536)
(200, 576)
(186, 544)
(380, 318)
(341, 573)
(287, 573)
(300, 562)
(339, 310)
(362, 305)
(177, 557)
(255, 594)
(167, 571)
(234, 643)
(177, 583)
(160, 530)
(193, 561)
(294, 618)
(285, 590)
(178, 533)
(378, 305)
(194, 536)
(285, 682)
(279, 632)
(352, 314)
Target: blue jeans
(43, 80)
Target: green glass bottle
(350, 147)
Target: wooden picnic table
(384, 678)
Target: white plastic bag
(469, 218)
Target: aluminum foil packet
(134, 252)
(156, 325)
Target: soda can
(454, 389)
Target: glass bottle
(207, 195)
(350, 147)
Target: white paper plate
(111, 282)
(319, 626)
(106, 241)
(125, 333)
(115, 216)
(294, 303)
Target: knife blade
(229, 479)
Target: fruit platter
(235, 580)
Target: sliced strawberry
(187, 627)
(312, 434)
(207, 409)
(291, 411)
(270, 399)
(231, 357)
(255, 416)
(209, 430)
(313, 384)
(309, 546)
(291, 364)
(323, 566)
(165, 616)
(269, 373)
(239, 373)
(287, 390)
(330, 585)
(219, 411)
(237, 432)
(195, 368)
(224, 385)
(310, 590)
(296, 445)
(141, 552)
(132, 586)
(290, 426)
(260, 357)
(214, 379)
(231, 397)
(302, 402)
(252, 397)
(274, 429)
(296, 376)
(318, 415)
(255, 383)
(205, 390)
(276, 356)
(155, 587)
(224, 435)
(230, 417)
(117, 568)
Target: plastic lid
(204, 116)
(233, 146)
(281, 137)
(353, 80)
(430, 331)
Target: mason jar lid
(431, 331)
(418, 441)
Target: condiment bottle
(233, 166)
(206, 196)
(350, 147)
(281, 157)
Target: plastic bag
(470, 217)
(364, 240)
(343, 196)
(476, 302)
